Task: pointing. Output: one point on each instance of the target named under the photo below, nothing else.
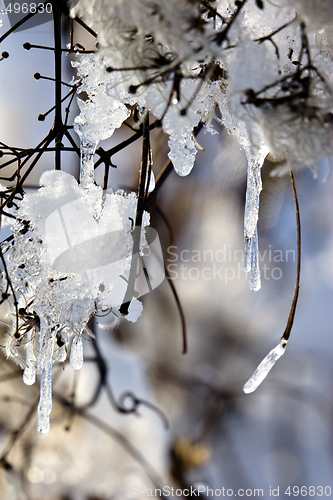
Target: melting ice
(264, 368)
(253, 189)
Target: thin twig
(139, 215)
(180, 310)
(286, 333)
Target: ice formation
(264, 368)
(70, 260)
(254, 187)
(176, 67)
(76, 357)
(264, 68)
(45, 368)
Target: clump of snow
(70, 260)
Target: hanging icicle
(45, 400)
(76, 357)
(269, 361)
(87, 151)
(264, 368)
(29, 374)
(254, 186)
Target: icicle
(42, 342)
(87, 163)
(255, 281)
(45, 400)
(247, 251)
(62, 351)
(265, 367)
(76, 357)
(29, 374)
(253, 189)
(254, 186)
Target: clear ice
(62, 354)
(255, 281)
(264, 368)
(45, 400)
(29, 374)
(87, 151)
(253, 189)
(76, 357)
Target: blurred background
(218, 437)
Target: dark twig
(180, 310)
(286, 333)
(130, 292)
